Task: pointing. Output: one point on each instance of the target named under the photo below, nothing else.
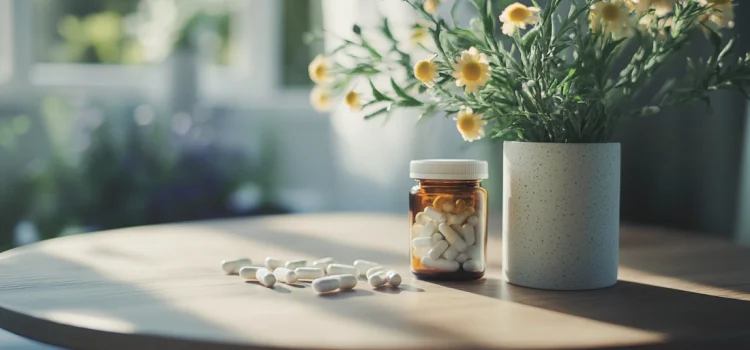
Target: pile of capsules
(446, 236)
(326, 275)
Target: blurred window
(131, 32)
(298, 18)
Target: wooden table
(161, 287)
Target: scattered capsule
(274, 263)
(472, 266)
(323, 263)
(451, 253)
(348, 281)
(460, 205)
(364, 265)
(434, 214)
(469, 211)
(341, 269)
(285, 275)
(461, 257)
(422, 242)
(374, 270)
(248, 272)
(376, 280)
(453, 238)
(293, 264)
(231, 267)
(467, 232)
(472, 220)
(394, 279)
(265, 277)
(437, 250)
(326, 284)
(309, 273)
(439, 264)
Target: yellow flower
(318, 69)
(610, 16)
(661, 7)
(472, 69)
(419, 35)
(470, 124)
(426, 71)
(723, 15)
(352, 100)
(431, 6)
(518, 16)
(320, 98)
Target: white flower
(320, 98)
(610, 16)
(470, 124)
(722, 16)
(472, 70)
(518, 16)
(426, 71)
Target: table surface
(161, 287)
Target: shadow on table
(78, 303)
(675, 313)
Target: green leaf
(401, 93)
(377, 113)
(379, 96)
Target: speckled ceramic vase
(561, 213)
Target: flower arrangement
(538, 74)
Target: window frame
(253, 80)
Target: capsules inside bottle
(448, 229)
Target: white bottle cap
(449, 169)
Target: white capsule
(469, 211)
(461, 257)
(348, 281)
(472, 266)
(434, 214)
(374, 270)
(376, 280)
(467, 232)
(448, 207)
(457, 219)
(475, 252)
(394, 279)
(285, 275)
(440, 264)
(437, 250)
(472, 220)
(450, 253)
(326, 284)
(421, 218)
(265, 277)
(309, 273)
(453, 238)
(448, 218)
(274, 263)
(364, 265)
(248, 272)
(323, 263)
(416, 231)
(231, 267)
(420, 252)
(293, 264)
(422, 242)
(341, 269)
(436, 237)
(429, 228)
